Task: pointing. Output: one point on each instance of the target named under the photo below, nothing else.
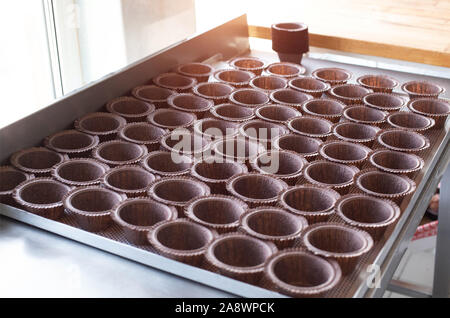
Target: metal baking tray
(222, 43)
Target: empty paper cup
(80, 172)
(365, 115)
(10, 178)
(289, 97)
(268, 83)
(42, 196)
(325, 108)
(171, 119)
(285, 69)
(217, 212)
(249, 64)
(357, 133)
(333, 76)
(438, 109)
(236, 78)
(153, 94)
(117, 153)
(38, 161)
(190, 103)
(343, 243)
(177, 191)
(419, 89)
(215, 91)
(211, 128)
(276, 113)
(73, 143)
(309, 85)
(237, 149)
(104, 125)
(297, 273)
(384, 102)
(249, 97)
(143, 134)
(256, 189)
(92, 206)
(274, 225)
(185, 143)
(163, 164)
(344, 152)
(384, 185)
(305, 146)
(200, 71)
(402, 140)
(176, 82)
(182, 240)
(132, 181)
(130, 108)
(378, 83)
(314, 203)
(232, 112)
(215, 172)
(137, 217)
(410, 121)
(396, 162)
(349, 94)
(239, 256)
(311, 127)
(262, 131)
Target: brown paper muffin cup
(256, 189)
(384, 185)
(143, 134)
(80, 172)
(130, 108)
(338, 177)
(118, 153)
(215, 91)
(304, 146)
(182, 240)
(239, 256)
(171, 119)
(365, 115)
(10, 178)
(268, 83)
(104, 125)
(378, 83)
(73, 143)
(262, 131)
(349, 94)
(233, 113)
(344, 152)
(132, 181)
(42, 196)
(420, 89)
(218, 212)
(289, 97)
(248, 97)
(333, 76)
(249, 64)
(200, 71)
(92, 206)
(137, 217)
(309, 85)
(314, 203)
(285, 165)
(161, 163)
(384, 102)
(367, 213)
(153, 94)
(437, 109)
(238, 149)
(177, 191)
(278, 114)
(183, 142)
(285, 69)
(215, 171)
(410, 121)
(396, 162)
(213, 129)
(175, 82)
(402, 140)
(274, 225)
(324, 108)
(312, 127)
(357, 133)
(38, 160)
(342, 243)
(190, 103)
(236, 78)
